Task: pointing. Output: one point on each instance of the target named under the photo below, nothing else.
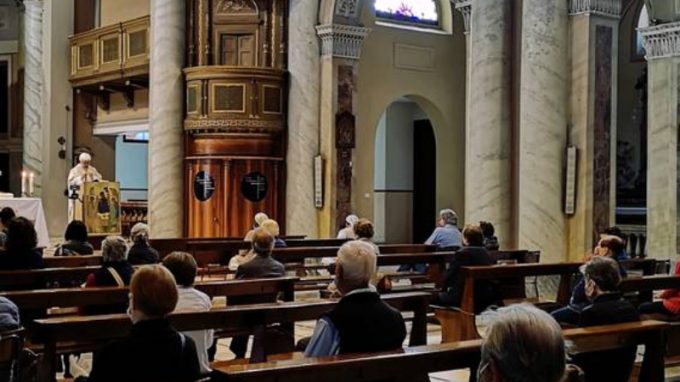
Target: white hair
(84, 157)
(358, 262)
(139, 231)
(260, 217)
(351, 220)
(525, 344)
(114, 249)
(449, 216)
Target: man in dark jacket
(472, 254)
(261, 266)
(361, 321)
(602, 278)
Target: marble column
(33, 90)
(166, 95)
(542, 128)
(488, 164)
(592, 121)
(303, 117)
(340, 50)
(663, 56)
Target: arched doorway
(405, 174)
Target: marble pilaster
(33, 91)
(303, 117)
(488, 166)
(542, 128)
(662, 44)
(166, 95)
(592, 120)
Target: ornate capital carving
(340, 40)
(607, 8)
(465, 8)
(347, 8)
(662, 40)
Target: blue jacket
(9, 315)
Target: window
(419, 12)
(638, 44)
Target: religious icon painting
(101, 203)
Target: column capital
(465, 8)
(340, 40)
(662, 41)
(606, 8)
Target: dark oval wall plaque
(254, 186)
(204, 186)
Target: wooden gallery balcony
(116, 54)
(245, 105)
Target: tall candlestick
(23, 183)
(31, 184)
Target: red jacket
(671, 297)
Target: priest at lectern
(82, 173)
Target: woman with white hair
(141, 252)
(260, 218)
(361, 322)
(347, 233)
(522, 344)
(115, 271)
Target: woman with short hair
(141, 252)
(20, 248)
(76, 241)
(183, 267)
(115, 271)
(272, 227)
(154, 350)
(364, 231)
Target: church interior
(348, 190)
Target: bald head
(263, 242)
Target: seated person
(20, 248)
(76, 241)
(141, 251)
(272, 227)
(9, 321)
(347, 233)
(183, 267)
(262, 265)
(445, 236)
(490, 239)
(669, 305)
(473, 253)
(115, 271)
(608, 246)
(153, 351)
(364, 231)
(522, 343)
(602, 278)
(6, 214)
(361, 322)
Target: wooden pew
(74, 297)
(458, 324)
(98, 329)
(220, 253)
(412, 364)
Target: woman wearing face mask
(153, 351)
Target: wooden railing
(111, 53)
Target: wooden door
(238, 50)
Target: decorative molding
(237, 7)
(607, 8)
(347, 8)
(662, 41)
(233, 125)
(465, 8)
(339, 40)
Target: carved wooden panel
(229, 98)
(236, 7)
(111, 49)
(193, 96)
(272, 99)
(238, 50)
(344, 130)
(206, 217)
(85, 56)
(137, 44)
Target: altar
(31, 209)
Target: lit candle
(31, 183)
(23, 183)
